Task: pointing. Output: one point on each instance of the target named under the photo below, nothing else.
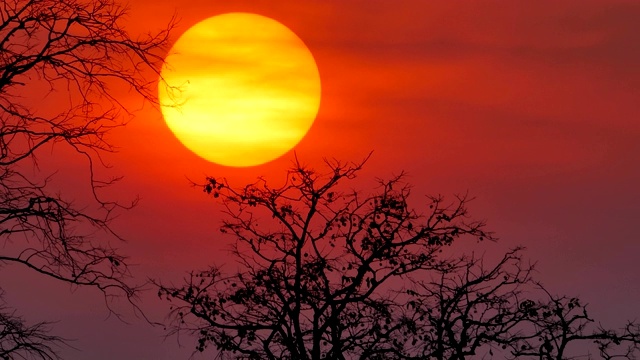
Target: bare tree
(560, 328)
(21, 341)
(319, 281)
(465, 308)
(77, 49)
(324, 274)
(470, 310)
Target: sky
(531, 107)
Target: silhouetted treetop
(329, 273)
(320, 266)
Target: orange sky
(530, 106)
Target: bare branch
(78, 50)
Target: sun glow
(239, 89)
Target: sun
(239, 89)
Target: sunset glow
(140, 129)
(241, 89)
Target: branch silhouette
(78, 49)
(324, 273)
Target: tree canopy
(328, 273)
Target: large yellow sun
(239, 89)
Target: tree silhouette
(20, 341)
(320, 282)
(469, 310)
(76, 49)
(465, 308)
(559, 323)
(325, 274)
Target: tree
(469, 310)
(318, 283)
(76, 49)
(559, 323)
(325, 274)
(465, 308)
(20, 341)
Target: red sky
(532, 107)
